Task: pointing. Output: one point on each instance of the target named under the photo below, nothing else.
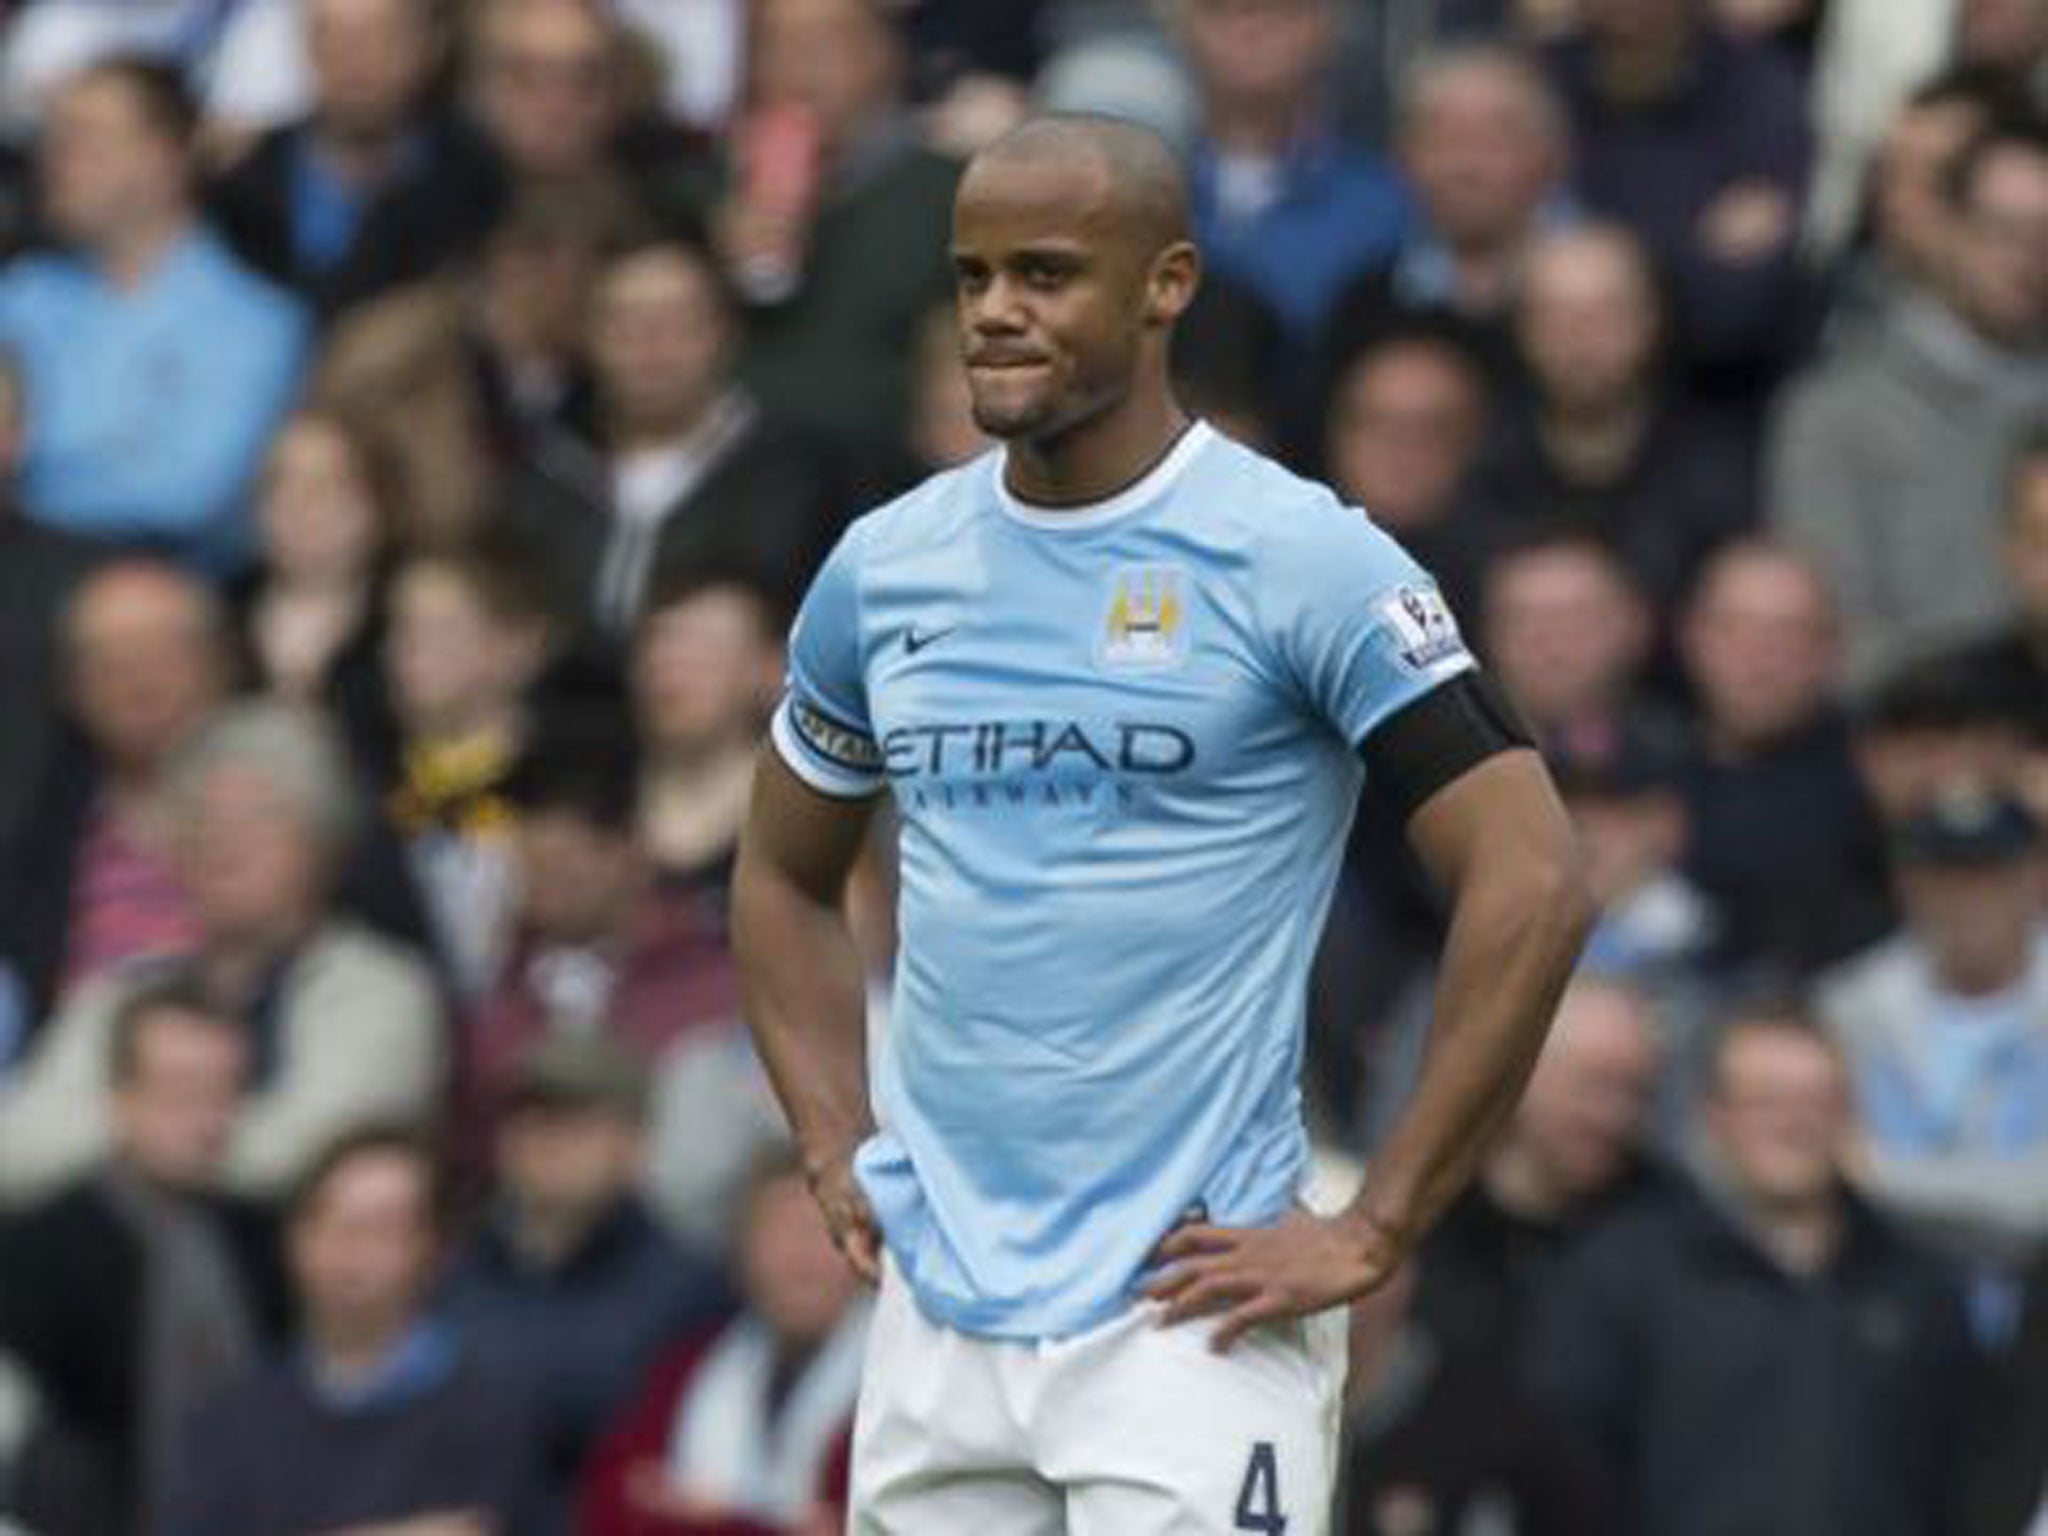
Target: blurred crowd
(418, 419)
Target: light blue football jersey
(1122, 742)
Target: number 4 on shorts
(1258, 1501)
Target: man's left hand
(1253, 1275)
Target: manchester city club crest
(1145, 621)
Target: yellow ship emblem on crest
(1145, 625)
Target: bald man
(1122, 679)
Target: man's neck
(627, 435)
(1803, 1236)
(1261, 128)
(1644, 72)
(129, 258)
(1595, 446)
(1100, 457)
(361, 155)
(1520, 1186)
(349, 1357)
(696, 802)
(547, 1239)
(1995, 974)
(484, 724)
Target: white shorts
(1129, 1429)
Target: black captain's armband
(1421, 747)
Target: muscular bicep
(1503, 810)
(802, 835)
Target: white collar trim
(1093, 514)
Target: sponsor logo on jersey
(1144, 624)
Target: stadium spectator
(1603, 442)
(942, 429)
(2006, 1487)
(744, 1432)
(1784, 839)
(470, 633)
(1485, 145)
(1282, 202)
(1764, 1354)
(1889, 460)
(381, 1418)
(378, 185)
(312, 615)
(133, 1292)
(462, 374)
(156, 364)
(88, 881)
(1699, 143)
(1932, 724)
(1944, 1028)
(1402, 436)
(707, 670)
(39, 567)
(342, 1026)
(2009, 37)
(568, 1281)
(686, 469)
(599, 951)
(2013, 663)
(834, 228)
(1439, 1435)
(1573, 1154)
(1564, 629)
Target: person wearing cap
(1945, 1030)
(569, 1282)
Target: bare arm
(1498, 841)
(803, 983)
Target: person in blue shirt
(156, 367)
(1123, 680)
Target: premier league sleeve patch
(1420, 625)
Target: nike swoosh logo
(915, 640)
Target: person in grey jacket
(1888, 462)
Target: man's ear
(1170, 285)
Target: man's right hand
(848, 1215)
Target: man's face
(1587, 323)
(1913, 219)
(1973, 920)
(370, 59)
(146, 666)
(447, 654)
(1258, 51)
(1482, 154)
(362, 1251)
(547, 86)
(101, 162)
(658, 341)
(1779, 1113)
(579, 880)
(1582, 1115)
(1403, 432)
(1628, 840)
(2026, 540)
(253, 868)
(834, 58)
(1562, 630)
(318, 511)
(1759, 645)
(1052, 288)
(173, 1115)
(568, 1161)
(2001, 243)
(706, 672)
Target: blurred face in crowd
(2005, 34)
(1483, 144)
(450, 659)
(535, 289)
(1564, 631)
(568, 1163)
(548, 85)
(371, 62)
(1647, 26)
(173, 1108)
(1778, 1112)
(794, 1279)
(1582, 1116)
(1759, 644)
(659, 343)
(1903, 769)
(1588, 321)
(942, 429)
(105, 167)
(1914, 220)
(1628, 839)
(580, 882)
(2001, 245)
(249, 858)
(1975, 921)
(147, 662)
(318, 512)
(1404, 427)
(363, 1247)
(706, 672)
(1259, 54)
(835, 59)
(2026, 538)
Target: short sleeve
(822, 729)
(1361, 627)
